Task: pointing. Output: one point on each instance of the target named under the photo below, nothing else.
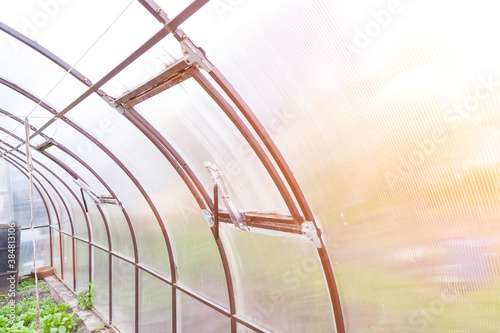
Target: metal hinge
(234, 214)
(309, 230)
(194, 56)
(111, 101)
(209, 217)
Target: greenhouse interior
(256, 166)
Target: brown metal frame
(148, 130)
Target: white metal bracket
(111, 101)
(209, 217)
(234, 213)
(194, 56)
(313, 234)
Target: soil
(90, 321)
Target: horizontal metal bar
(164, 76)
(37, 227)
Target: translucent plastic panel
(189, 233)
(6, 207)
(197, 317)
(21, 201)
(82, 265)
(193, 122)
(110, 33)
(18, 105)
(120, 233)
(141, 216)
(67, 269)
(156, 305)
(279, 283)
(51, 80)
(123, 295)
(68, 190)
(96, 217)
(101, 281)
(42, 238)
(56, 252)
(198, 260)
(393, 137)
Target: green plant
(86, 298)
(28, 284)
(53, 318)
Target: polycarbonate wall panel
(123, 295)
(120, 233)
(156, 305)
(279, 283)
(391, 128)
(6, 207)
(21, 201)
(197, 317)
(82, 265)
(142, 218)
(56, 253)
(72, 196)
(78, 223)
(194, 124)
(101, 281)
(96, 217)
(67, 262)
(42, 238)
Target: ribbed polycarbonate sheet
(101, 281)
(390, 126)
(123, 294)
(76, 32)
(156, 305)
(82, 265)
(197, 317)
(279, 284)
(26, 251)
(192, 121)
(52, 83)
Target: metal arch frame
(194, 186)
(130, 176)
(323, 254)
(15, 165)
(67, 210)
(23, 169)
(169, 27)
(49, 218)
(106, 225)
